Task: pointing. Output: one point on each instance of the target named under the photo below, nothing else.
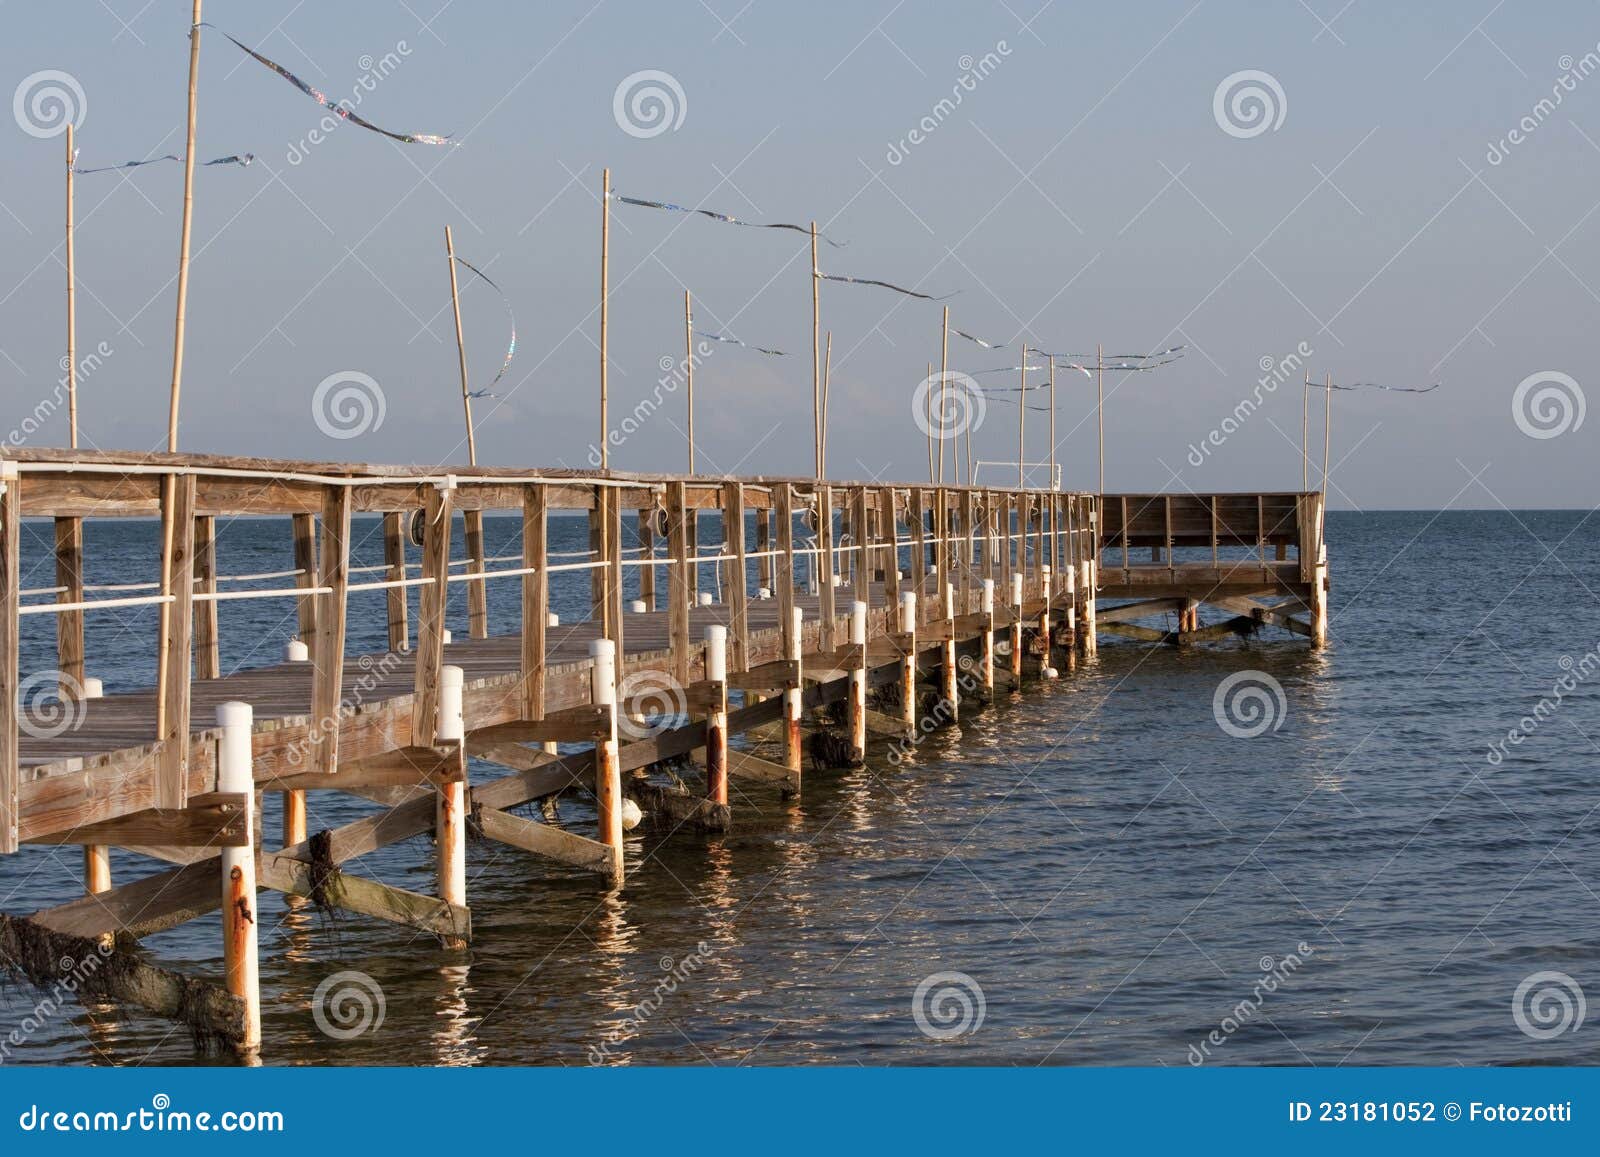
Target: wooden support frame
(172, 768)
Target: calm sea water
(1116, 878)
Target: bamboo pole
(927, 417)
(1022, 414)
(816, 371)
(944, 387)
(827, 374)
(1054, 485)
(183, 245)
(1327, 424)
(1305, 430)
(461, 348)
(72, 307)
(1100, 410)
(688, 366)
(605, 308)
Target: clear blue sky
(1082, 191)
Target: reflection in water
(454, 1044)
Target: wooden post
(716, 665)
(816, 370)
(1054, 483)
(1089, 579)
(477, 592)
(889, 546)
(461, 349)
(1100, 412)
(72, 301)
(941, 539)
(1305, 433)
(437, 517)
(1046, 662)
(69, 624)
(183, 244)
(605, 312)
(919, 558)
(240, 927)
(688, 366)
(856, 704)
(172, 768)
(927, 420)
(305, 561)
(908, 666)
(789, 624)
(394, 558)
(986, 607)
(327, 709)
(613, 570)
(450, 799)
(10, 652)
(647, 554)
(1022, 421)
(207, 654)
(679, 573)
(863, 537)
(964, 571)
(950, 690)
(764, 548)
(827, 376)
(535, 597)
(607, 768)
(738, 585)
(1016, 626)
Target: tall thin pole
(183, 245)
(461, 349)
(1327, 425)
(927, 414)
(944, 387)
(688, 366)
(1305, 432)
(827, 374)
(816, 369)
(605, 309)
(72, 307)
(1022, 414)
(1053, 483)
(1100, 410)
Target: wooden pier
(849, 614)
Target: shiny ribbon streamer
(736, 341)
(511, 349)
(1390, 389)
(724, 217)
(333, 106)
(1123, 357)
(1009, 369)
(977, 340)
(243, 161)
(883, 284)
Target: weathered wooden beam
(404, 766)
(1249, 608)
(545, 840)
(774, 676)
(1139, 610)
(216, 820)
(365, 897)
(1131, 631)
(143, 907)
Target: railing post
(394, 560)
(477, 592)
(889, 538)
(10, 652)
(863, 544)
(607, 767)
(647, 554)
(857, 704)
(437, 517)
(450, 800)
(1090, 577)
(1047, 662)
(328, 655)
(950, 690)
(535, 597)
(305, 561)
(793, 747)
(987, 660)
(763, 545)
(790, 624)
(240, 926)
(716, 664)
(680, 580)
(919, 557)
(1016, 626)
(172, 766)
(825, 572)
(738, 580)
(207, 655)
(908, 665)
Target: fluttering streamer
(735, 341)
(1390, 389)
(241, 159)
(511, 349)
(883, 284)
(336, 107)
(724, 217)
(977, 340)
